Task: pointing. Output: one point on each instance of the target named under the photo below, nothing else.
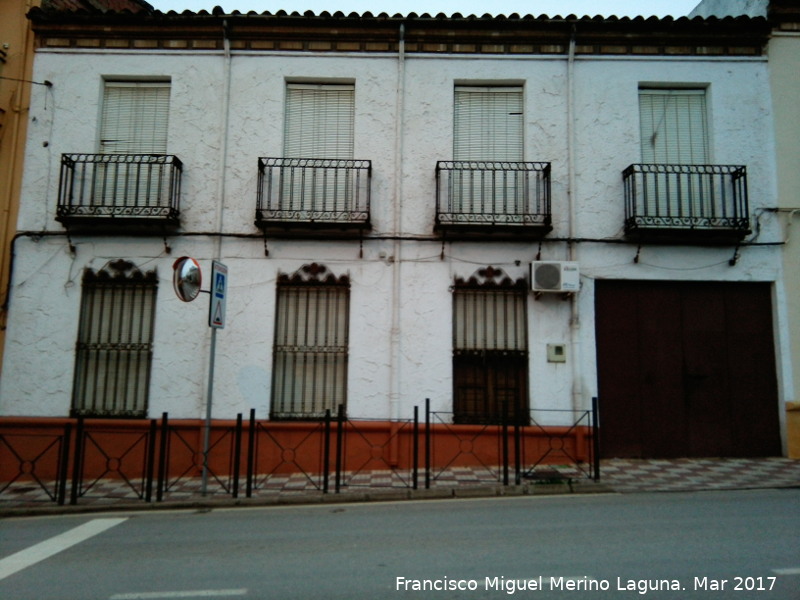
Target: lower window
(309, 375)
(115, 342)
(490, 349)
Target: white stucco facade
(580, 114)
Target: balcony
(137, 191)
(704, 204)
(493, 200)
(313, 197)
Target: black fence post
(427, 443)
(596, 438)
(415, 449)
(339, 444)
(162, 457)
(504, 427)
(326, 451)
(77, 466)
(518, 445)
(63, 466)
(237, 454)
(251, 441)
(151, 451)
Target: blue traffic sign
(219, 287)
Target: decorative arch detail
(490, 278)
(118, 271)
(313, 274)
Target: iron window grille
(114, 350)
(310, 355)
(490, 348)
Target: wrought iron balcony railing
(299, 194)
(493, 197)
(124, 188)
(703, 202)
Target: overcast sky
(606, 8)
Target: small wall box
(557, 353)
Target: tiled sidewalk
(617, 475)
(291, 487)
(694, 474)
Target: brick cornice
(784, 15)
(337, 32)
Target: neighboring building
(16, 64)
(784, 57)
(487, 212)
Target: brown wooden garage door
(686, 369)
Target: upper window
(309, 374)
(131, 178)
(316, 187)
(487, 188)
(676, 193)
(115, 342)
(673, 126)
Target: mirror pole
(209, 399)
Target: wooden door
(686, 369)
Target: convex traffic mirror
(186, 278)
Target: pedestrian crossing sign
(219, 287)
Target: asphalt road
(743, 544)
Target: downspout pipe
(571, 143)
(572, 251)
(223, 144)
(396, 350)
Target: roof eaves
(627, 26)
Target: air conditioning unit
(555, 276)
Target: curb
(372, 495)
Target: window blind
(488, 124)
(135, 117)
(319, 121)
(673, 126)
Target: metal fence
(91, 459)
(36, 461)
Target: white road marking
(794, 571)
(39, 552)
(184, 594)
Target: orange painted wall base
(48, 448)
